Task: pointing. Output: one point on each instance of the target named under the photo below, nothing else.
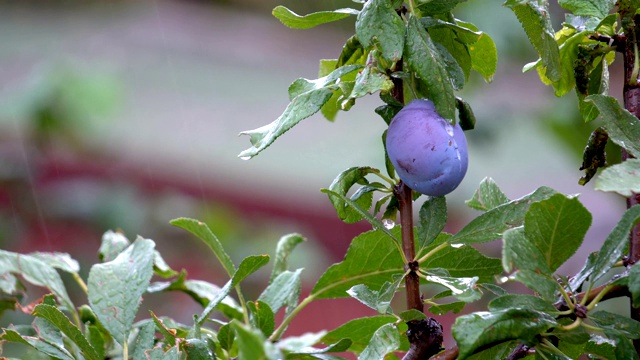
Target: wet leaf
(487, 196)
(379, 26)
(295, 21)
(372, 259)
(623, 178)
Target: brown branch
(404, 194)
(631, 95)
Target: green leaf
(435, 7)
(557, 226)
(161, 268)
(490, 225)
(304, 342)
(615, 243)
(623, 178)
(196, 349)
(202, 232)
(36, 272)
(159, 354)
(113, 243)
(360, 331)
(57, 260)
(144, 341)
(411, 315)
(116, 287)
(200, 291)
(285, 246)
(97, 340)
(283, 290)
(465, 114)
(462, 32)
(441, 309)
(226, 336)
(295, 21)
(624, 348)
(375, 222)
(352, 53)
(623, 324)
(455, 72)
(497, 352)
(578, 279)
(461, 261)
(487, 196)
(483, 52)
(601, 346)
(253, 345)
(542, 284)
(262, 317)
(372, 259)
(597, 8)
(378, 26)
(36, 343)
(342, 184)
(370, 79)
(521, 302)
(623, 128)
(536, 22)
(463, 289)
(423, 58)
(485, 328)
(384, 341)
(60, 321)
(519, 252)
(377, 300)
(307, 98)
(248, 266)
(433, 218)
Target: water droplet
(457, 246)
(388, 224)
(503, 280)
(245, 157)
(449, 129)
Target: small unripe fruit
(429, 154)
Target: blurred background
(125, 115)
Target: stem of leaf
(277, 334)
(599, 297)
(80, 282)
(125, 349)
(412, 7)
(433, 251)
(567, 299)
(586, 296)
(245, 311)
(389, 180)
(572, 326)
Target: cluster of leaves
(540, 232)
(578, 56)
(424, 45)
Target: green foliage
(420, 50)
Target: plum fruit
(429, 154)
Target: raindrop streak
(388, 224)
(27, 166)
(180, 96)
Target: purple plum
(429, 154)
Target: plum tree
(429, 154)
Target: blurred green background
(125, 115)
